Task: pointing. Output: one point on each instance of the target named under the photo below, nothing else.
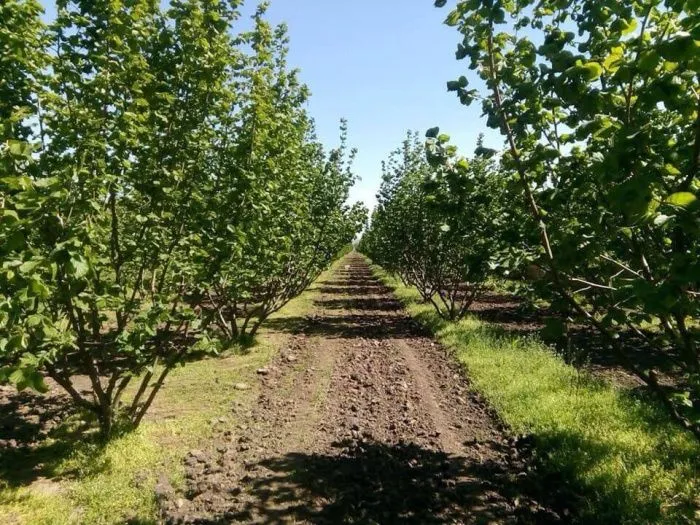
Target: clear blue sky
(383, 65)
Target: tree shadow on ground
(352, 280)
(380, 483)
(382, 321)
(574, 465)
(27, 417)
(351, 326)
(355, 289)
(360, 303)
(37, 434)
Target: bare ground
(363, 418)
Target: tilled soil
(362, 418)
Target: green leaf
(670, 169)
(591, 70)
(453, 18)
(10, 216)
(613, 60)
(77, 267)
(19, 148)
(15, 242)
(39, 289)
(682, 199)
(29, 377)
(28, 267)
(628, 26)
(648, 60)
(17, 183)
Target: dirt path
(361, 419)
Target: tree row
(162, 192)
(599, 107)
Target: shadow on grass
(577, 462)
(380, 483)
(508, 316)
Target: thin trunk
(142, 387)
(66, 384)
(154, 391)
(120, 390)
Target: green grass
(630, 463)
(84, 483)
(110, 484)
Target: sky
(383, 66)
